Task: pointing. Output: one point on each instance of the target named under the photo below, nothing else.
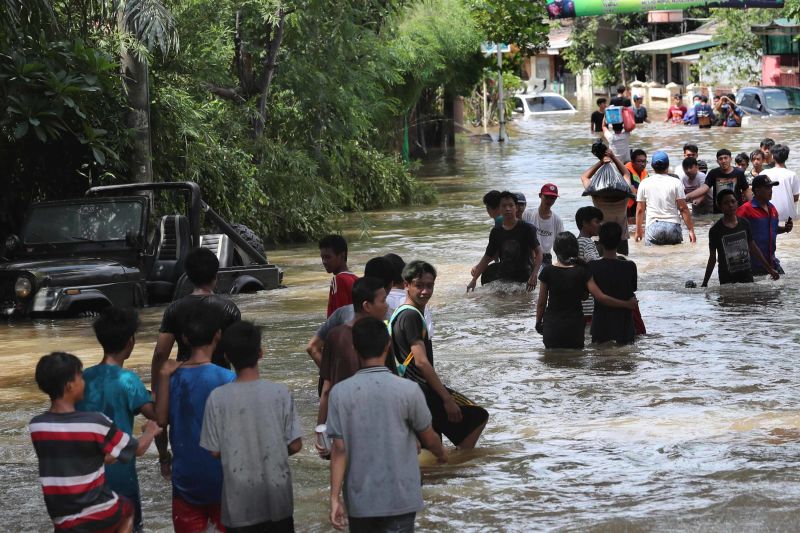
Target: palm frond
(152, 24)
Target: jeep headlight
(22, 288)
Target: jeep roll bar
(196, 205)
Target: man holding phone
(730, 113)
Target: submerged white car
(542, 104)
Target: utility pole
(485, 109)
(501, 111)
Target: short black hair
(381, 268)
(723, 151)
(114, 327)
(766, 143)
(722, 194)
(601, 101)
(585, 214)
(742, 157)
(690, 148)
(492, 199)
(364, 290)
(704, 98)
(370, 337)
(636, 153)
(610, 235)
(397, 267)
(54, 371)
(241, 344)
(756, 153)
(200, 324)
(566, 249)
(508, 194)
(417, 268)
(621, 89)
(202, 266)
(688, 163)
(780, 153)
(334, 242)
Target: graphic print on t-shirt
(737, 252)
(726, 182)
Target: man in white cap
(547, 223)
(662, 202)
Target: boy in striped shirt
(73, 448)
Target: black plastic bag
(607, 182)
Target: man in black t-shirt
(516, 245)
(599, 115)
(454, 416)
(726, 176)
(621, 99)
(731, 240)
(201, 269)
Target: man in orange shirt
(636, 166)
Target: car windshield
(540, 104)
(101, 221)
(782, 99)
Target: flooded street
(696, 427)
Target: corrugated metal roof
(674, 45)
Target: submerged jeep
(76, 257)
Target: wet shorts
(190, 518)
(661, 232)
(279, 526)
(472, 416)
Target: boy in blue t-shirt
(119, 394)
(183, 389)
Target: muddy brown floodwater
(696, 427)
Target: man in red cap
(547, 223)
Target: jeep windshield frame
(84, 224)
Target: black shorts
(472, 417)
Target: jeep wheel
(252, 239)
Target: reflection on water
(696, 427)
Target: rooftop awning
(777, 27)
(687, 42)
(559, 38)
(690, 58)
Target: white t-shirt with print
(546, 228)
(783, 194)
(661, 192)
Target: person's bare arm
(162, 396)
(586, 177)
(747, 194)
(429, 374)
(163, 348)
(295, 446)
(712, 261)
(314, 349)
(541, 301)
(537, 254)
(640, 209)
(687, 219)
(430, 441)
(698, 193)
(479, 269)
(338, 468)
(609, 301)
(756, 251)
(151, 430)
(148, 410)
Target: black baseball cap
(763, 181)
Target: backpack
(401, 367)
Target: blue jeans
(661, 232)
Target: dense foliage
(605, 59)
(285, 112)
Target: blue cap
(659, 157)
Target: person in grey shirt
(252, 425)
(374, 420)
